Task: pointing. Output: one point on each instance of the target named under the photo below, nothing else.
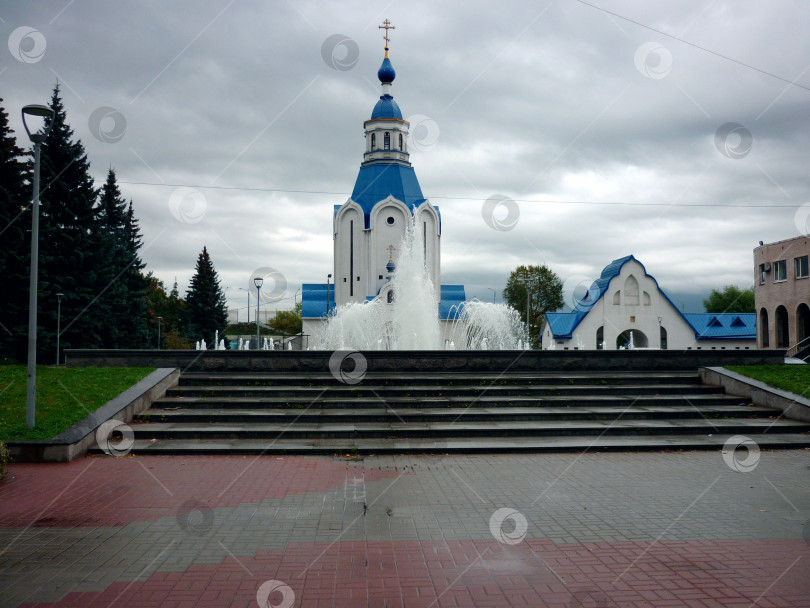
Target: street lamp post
(493, 294)
(328, 279)
(258, 283)
(37, 139)
(59, 297)
(158, 345)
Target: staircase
(313, 413)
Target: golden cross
(386, 26)
(391, 250)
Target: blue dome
(390, 266)
(386, 73)
(386, 108)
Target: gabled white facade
(632, 302)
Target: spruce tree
(72, 244)
(125, 297)
(206, 310)
(15, 241)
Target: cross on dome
(386, 26)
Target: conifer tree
(15, 244)
(72, 245)
(125, 297)
(206, 310)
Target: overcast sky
(238, 125)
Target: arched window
(600, 338)
(663, 338)
(646, 299)
(373, 140)
(617, 298)
(400, 142)
(782, 336)
(391, 296)
(631, 291)
(387, 141)
(763, 328)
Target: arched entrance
(600, 338)
(637, 338)
(802, 322)
(663, 338)
(782, 335)
(764, 334)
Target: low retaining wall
(439, 361)
(74, 442)
(791, 405)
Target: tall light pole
(328, 279)
(493, 294)
(258, 283)
(248, 292)
(59, 297)
(158, 345)
(46, 114)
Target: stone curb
(791, 405)
(75, 441)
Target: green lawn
(65, 395)
(793, 378)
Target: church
(369, 226)
(625, 308)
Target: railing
(799, 346)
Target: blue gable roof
(724, 326)
(379, 181)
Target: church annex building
(625, 308)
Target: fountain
(410, 321)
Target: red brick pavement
(106, 491)
(537, 573)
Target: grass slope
(793, 378)
(65, 395)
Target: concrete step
(448, 445)
(419, 391)
(374, 379)
(384, 401)
(470, 414)
(351, 430)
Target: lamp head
(257, 281)
(38, 111)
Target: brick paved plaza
(560, 530)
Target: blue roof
(452, 297)
(386, 108)
(313, 300)
(377, 182)
(727, 325)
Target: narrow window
(351, 256)
(373, 140)
(801, 267)
(387, 141)
(400, 142)
(780, 270)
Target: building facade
(625, 308)
(782, 292)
